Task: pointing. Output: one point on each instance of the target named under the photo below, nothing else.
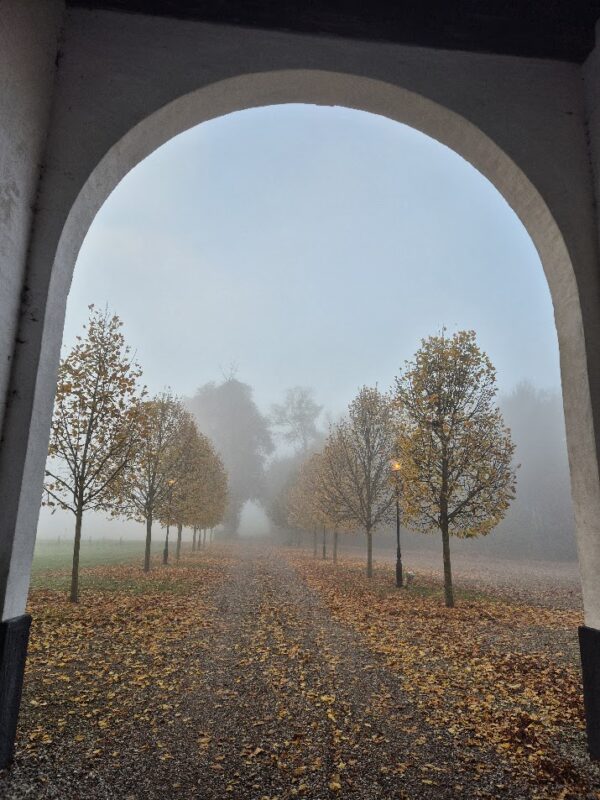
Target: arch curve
(325, 87)
(125, 84)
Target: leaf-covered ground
(265, 674)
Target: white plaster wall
(128, 83)
(589, 557)
(28, 41)
(29, 33)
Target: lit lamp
(395, 469)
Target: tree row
(114, 449)
(434, 450)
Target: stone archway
(325, 88)
(114, 104)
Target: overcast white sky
(311, 246)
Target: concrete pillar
(589, 539)
(29, 35)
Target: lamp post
(170, 483)
(395, 468)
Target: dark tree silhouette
(228, 415)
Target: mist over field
(300, 246)
(539, 524)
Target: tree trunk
(148, 543)
(335, 546)
(179, 535)
(448, 593)
(445, 528)
(166, 549)
(194, 540)
(204, 538)
(369, 553)
(324, 544)
(74, 597)
(315, 543)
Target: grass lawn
(52, 559)
(54, 554)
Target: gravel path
(290, 704)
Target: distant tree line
(539, 523)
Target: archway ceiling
(555, 29)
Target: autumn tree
(208, 502)
(296, 418)
(455, 452)
(211, 503)
(185, 459)
(298, 506)
(95, 424)
(146, 485)
(356, 465)
(333, 513)
(199, 488)
(306, 505)
(280, 476)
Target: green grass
(52, 559)
(424, 587)
(134, 585)
(52, 555)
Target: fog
(297, 246)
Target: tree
(145, 486)
(297, 418)
(454, 449)
(211, 502)
(333, 513)
(229, 417)
(94, 425)
(280, 476)
(304, 509)
(307, 506)
(356, 466)
(199, 489)
(184, 457)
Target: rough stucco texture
(28, 40)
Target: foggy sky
(311, 246)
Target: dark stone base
(14, 635)
(589, 644)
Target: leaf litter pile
(263, 674)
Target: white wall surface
(28, 41)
